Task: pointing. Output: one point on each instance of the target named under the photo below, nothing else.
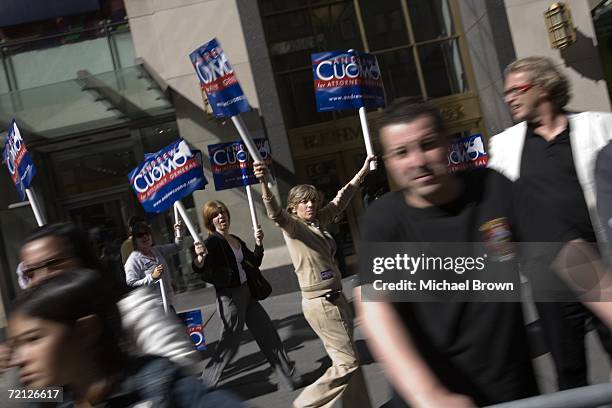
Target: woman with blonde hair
(225, 261)
(325, 308)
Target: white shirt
(239, 258)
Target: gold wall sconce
(560, 27)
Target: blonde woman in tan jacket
(325, 308)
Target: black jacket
(220, 266)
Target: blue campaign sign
(18, 160)
(232, 165)
(467, 153)
(347, 80)
(193, 320)
(218, 80)
(167, 176)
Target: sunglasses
(29, 270)
(142, 234)
(518, 90)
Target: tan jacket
(310, 246)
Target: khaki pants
(343, 381)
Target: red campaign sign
(220, 83)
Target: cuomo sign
(167, 176)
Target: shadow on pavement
(263, 381)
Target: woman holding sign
(147, 265)
(325, 308)
(225, 261)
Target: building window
(416, 42)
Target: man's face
(522, 96)
(416, 155)
(45, 257)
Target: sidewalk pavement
(250, 376)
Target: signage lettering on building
(331, 137)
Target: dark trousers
(236, 308)
(564, 325)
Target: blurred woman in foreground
(66, 331)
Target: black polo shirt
(477, 349)
(550, 205)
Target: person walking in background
(225, 261)
(147, 264)
(550, 156)
(66, 331)
(324, 305)
(128, 246)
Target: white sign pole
(252, 208)
(40, 218)
(246, 138)
(163, 293)
(363, 118)
(177, 216)
(192, 231)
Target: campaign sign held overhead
(232, 165)
(466, 153)
(193, 321)
(167, 176)
(347, 80)
(18, 160)
(218, 80)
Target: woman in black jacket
(225, 261)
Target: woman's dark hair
(76, 241)
(71, 295)
(138, 227)
(133, 220)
